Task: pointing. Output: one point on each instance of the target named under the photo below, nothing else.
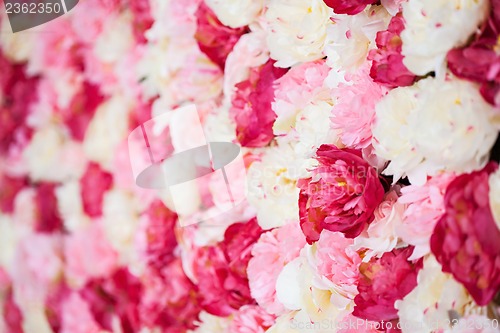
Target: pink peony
(169, 300)
(425, 206)
(93, 185)
(354, 109)
(387, 66)
(117, 295)
(251, 106)
(160, 242)
(384, 280)
(76, 316)
(221, 270)
(142, 19)
(10, 187)
(341, 195)
(337, 261)
(88, 254)
(479, 62)
(47, 213)
(270, 254)
(465, 239)
(215, 39)
(349, 7)
(251, 319)
(12, 315)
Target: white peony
(436, 125)
(272, 186)
(296, 30)
(236, 13)
(116, 39)
(495, 196)
(52, 156)
(69, 204)
(107, 129)
(208, 323)
(352, 36)
(433, 27)
(426, 307)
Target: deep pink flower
(159, 233)
(341, 195)
(10, 186)
(221, 270)
(170, 299)
(387, 66)
(251, 106)
(80, 111)
(93, 184)
(116, 295)
(480, 62)
(12, 315)
(18, 93)
(384, 280)
(215, 39)
(47, 213)
(141, 18)
(465, 239)
(350, 7)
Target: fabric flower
(341, 195)
(465, 239)
(296, 30)
(251, 106)
(432, 28)
(387, 60)
(270, 254)
(382, 282)
(350, 7)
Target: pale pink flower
(271, 253)
(425, 205)
(337, 261)
(354, 108)
(251, 319)
(88, 254)
(76, 316)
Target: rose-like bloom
(337, 261)
(221, 270)
(354, 108)
(433, 27)
(465, 240)
(382, 282)
(381, 235)
(341, 195)
(296, 30)
(479, 61)
(351, 38)
(494, 183)
(434, 126)
(236, 13)
(214, 39)
(387, 60)
(426, 307)
(251, 106)
(349, 7)
(93, 185)
(424, 207)
(270, 254)
(251, 318)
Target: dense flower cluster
(367, 178)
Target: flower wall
(369, 139)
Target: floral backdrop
(368, 131)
